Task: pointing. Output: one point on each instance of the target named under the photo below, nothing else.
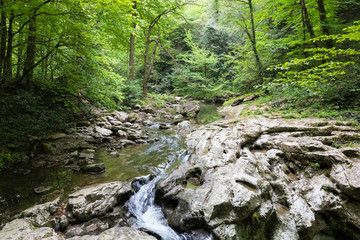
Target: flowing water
(148, 215)
(17, 190)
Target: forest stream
(235, 178)
(22, 189)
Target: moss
(191, 186)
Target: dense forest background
(57, 55)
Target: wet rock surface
(266, 179)
(94, 201)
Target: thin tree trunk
(2, 41)
(19, 57)
(147, 49)
(307, 19)
(132, 50)
(30, 53)
(147, 75)
(304, 33)
(323, 22)
(253, 40)
(8, 58)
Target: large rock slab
(265, 179)
(97, 200)
(119, 233)
(20, 229)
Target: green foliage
(158, 100)
(331, 74)
(8, 159)
(132, 93)
(197, 76)
(37, 113)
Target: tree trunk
(20, 57)
(30, 53)
(307, 19)
(253, 40)
(216, 10)
(2, 41)
(147, 75)
(323, 22)
(147, 49)
(132, 50)
(304, 34)
(8, 58)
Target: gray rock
(280, 186)
(86, 155)
(93, 227)
(119, 233)
(121, 134)
(347, 177)
(148, 123)
(135, 135)
(97, 200)
(121, 116)
(189, 109)
(42, 189)
(40, 214)
(132, 117)
(93, 168)
(126, 142)
(103, 131)
(20, 229)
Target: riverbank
(247, 177)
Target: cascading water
(148, 215)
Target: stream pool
(17, 191)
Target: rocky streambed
(243, 178)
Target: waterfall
(148, 215)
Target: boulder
(93, 168)
(87, 154)
(97, 200)
(121, 116)
(41, 214)
(20, 229)
(190, 109)
(103, 131)
(132, 117)
(94, 226)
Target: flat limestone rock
(20, 229)
(118, 233)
